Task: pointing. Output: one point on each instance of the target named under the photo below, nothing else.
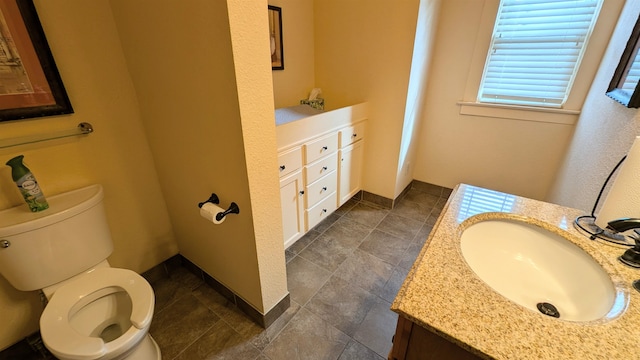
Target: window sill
(524, 113)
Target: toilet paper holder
(212, 199)
(233, 207)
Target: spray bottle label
(31, 193)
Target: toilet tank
(43, 248)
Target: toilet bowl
(103, 314)
(94, 311)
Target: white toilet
(94, 311)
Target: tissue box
(316, 104)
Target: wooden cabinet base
(413, 342)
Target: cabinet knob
(324, 188)
(301, 192)
(282, 167)
(324, 168)
(324, 210)
(324, 148)
(354, 135)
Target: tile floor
(342, 277)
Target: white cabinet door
(350, 171)
(291, 200)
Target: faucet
(630, 257)
(623, 224)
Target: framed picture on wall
(625, 85)
(275, 38)
(30, 85)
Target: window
(535, 51)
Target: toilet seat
(60, 337)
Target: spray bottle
(27, 184)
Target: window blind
(535, 51)
(633, 75)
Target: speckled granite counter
(442, 294)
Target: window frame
(504, 46)
(569, 114)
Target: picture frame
(625, 86)
(30, 85)
(275, 38)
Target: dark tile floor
(342, 277)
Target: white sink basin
(534, 267)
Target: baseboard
(377, 199)
(264, 320)
(414, 184)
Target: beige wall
(198, 99)
(85, 44)
(363, 52)
(494, 151)
(419, 78)
(297, 79)
(514, 156)
(248, 24)
(605, 132)
(357, 59)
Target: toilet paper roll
(209, 212)
(623, 200)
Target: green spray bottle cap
(18, 169)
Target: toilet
(94, 311)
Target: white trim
(514, 112)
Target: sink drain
(548, 309)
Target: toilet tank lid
(19, 219)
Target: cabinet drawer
(289, 161)
(321, 168)
(321, 210)
(351, 134)
(321, 188)
(316, 149)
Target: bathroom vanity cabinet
(320, 162)
(446, 311)
(413, 342)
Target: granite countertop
(442, 294)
